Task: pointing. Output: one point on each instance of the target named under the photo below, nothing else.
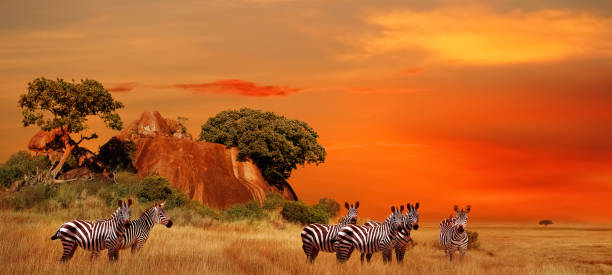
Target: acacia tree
(275, 144)
(545, 222)
(57, 104)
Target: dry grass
(275, 248)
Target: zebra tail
(56, 235)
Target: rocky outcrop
(207, 172)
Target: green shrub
(273, 201)
(30, 196)
(301, 213)
(472, 239)
(20, 164)
(330, 206)
(245, 211)
(156, 188)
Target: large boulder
(207, 172)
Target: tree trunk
(67, 150)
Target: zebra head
(462, 216)
(411, 219)
(124, 213)
(160, 215)
(351, 215)
(397, 219)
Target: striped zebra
(411, 221)
(137, 234)
(369, 239)
(322, 237)
(95, 235)
(452, 233)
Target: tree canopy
(545, 222)
(274, 143)
(52, 104)
(57, 104)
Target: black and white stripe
(452, 233)
(137, 234)
(410, 221)
(369, 239)
(95, 235)
(322, 237)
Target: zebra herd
(375, 236)
(113, 234)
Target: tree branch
(94, 135)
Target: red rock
(206, 172)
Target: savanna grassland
(273, 246)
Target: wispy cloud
(122, 87)
(237, 87)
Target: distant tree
(545, 222)
(57, 104)
(275, 144)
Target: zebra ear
(129, 202)
(162, 204)
(393, 209)
(120, 203)
(408, 206)
(346, 205)
(467, 209)
(356, 204)
(401, 208)
(416, 206)
(456, 208)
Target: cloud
(237, 87)
(483, 36)
(123, 87)
(410, 71)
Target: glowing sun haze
(504, 105)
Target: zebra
(369, 239)
(95, 235)
(452, 233)
(138, 232)
(322, 237)
(410, 220)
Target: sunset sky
(504, 105)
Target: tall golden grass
(275, 248)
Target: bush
(273, 201)
(250, 211)
(21, 164)
(472, 239)
(156, 188)
(331, 206)
(302, 213)
(30, 196)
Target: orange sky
(505, 105)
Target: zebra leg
(313, 255)
(113, 254)
(344, 253)
(387, 255)
(137, 246)
(462, 251)
(369, 257)
(69, 249)
(399, 254)
(362, 257)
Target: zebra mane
(448, 222)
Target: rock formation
(207, 172)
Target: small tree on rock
(57, 104)
(275, 144)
